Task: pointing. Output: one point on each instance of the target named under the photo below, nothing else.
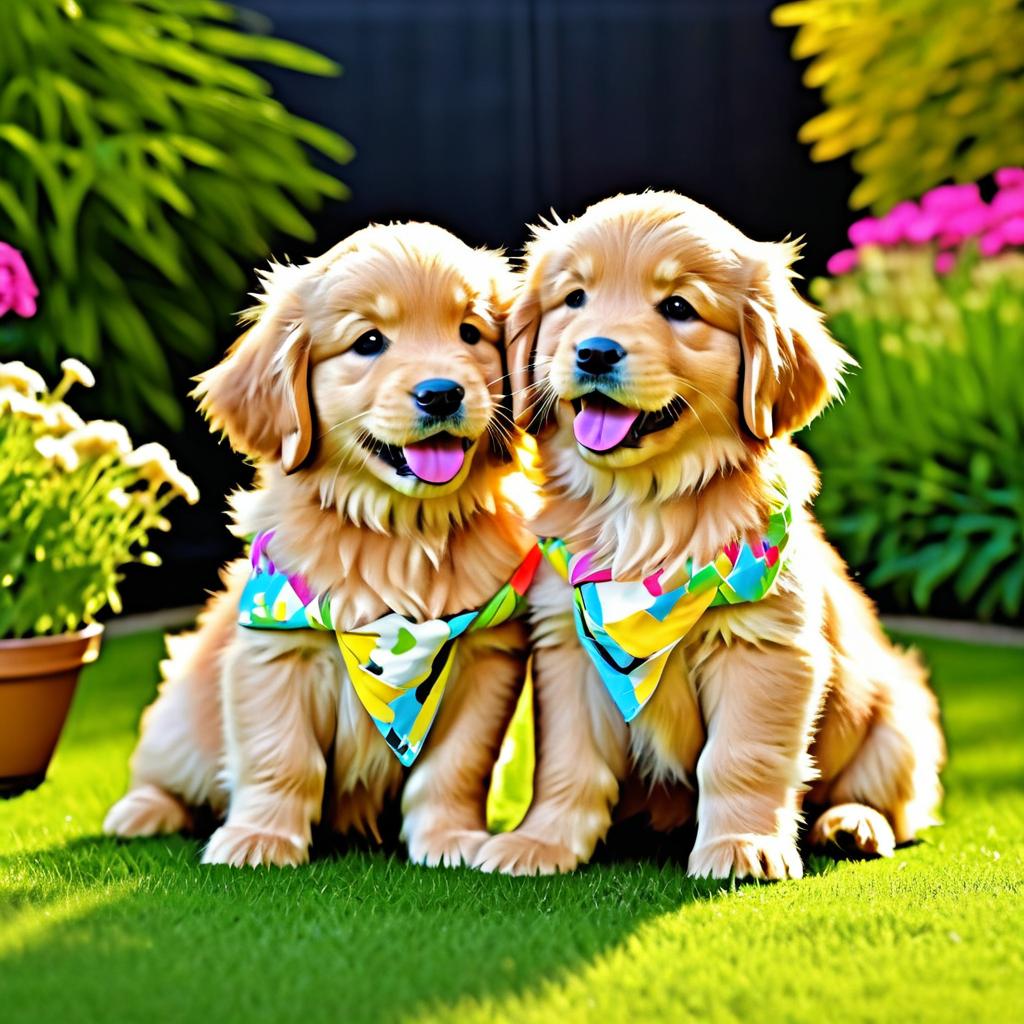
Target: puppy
(373, 626)
(663, 359)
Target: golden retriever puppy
(373, 626)
(663, 359)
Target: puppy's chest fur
(667, 736)
(369, 575)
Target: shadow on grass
(105, 929)
(358, 937)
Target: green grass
(95, 930)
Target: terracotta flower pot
(37, 681)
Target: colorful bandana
(399, 668)
(629, 629)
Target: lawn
(94, 930)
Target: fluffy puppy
(663, 359)
(370, 390)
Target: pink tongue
(601, 427)
(436, 460)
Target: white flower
(63, 418)
(151, 460)
(100, 437)
(22, 378)
(183, 484)
(58, 451)
(120, 497)
(22, 405)
(55, 416)
(76, 372)
(154, 463)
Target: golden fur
(796, 699)
(246, 719)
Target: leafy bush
(923, 473)
(142, 171)
(917, 90)
(76, 504)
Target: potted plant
(77, 503)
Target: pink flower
(892, 228)
(1008, 202)
(923, 228)
(967, 223)
(946, 218)
(864, 232)
(1013, 230)
(1010, 177)
(947, 198)
(17, 289)
(842, 262)
(885, 231)
(992, 242)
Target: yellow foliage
(918, 91)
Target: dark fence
(482, 115)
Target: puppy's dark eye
(675, 307)
(469, 333)
(372, 343)
(576, 298)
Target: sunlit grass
(93, 930)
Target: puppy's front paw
(446, 848)
(146, 811)
(516, 853)
(240, 846)
(863, 827)
(746, 856)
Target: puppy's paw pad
(146, 811)
(240, 846)
(769, 858)
(448, 848)
(515, 853)
(863, 828)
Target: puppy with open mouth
(374, 626)
(696, 638)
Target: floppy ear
(503, 288)
(259, 393)
(521, 331)
(792, 367)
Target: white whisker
(685, 382)
(351, 419)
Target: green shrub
(143, 170)
(923, 465)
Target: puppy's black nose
(438, 397)
(597, 356)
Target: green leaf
(273, 51)
(12, 206)
(165, 406)
(980, 564)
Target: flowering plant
(17, 289)
(924, 481)
(948, 219)
(77, 503)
